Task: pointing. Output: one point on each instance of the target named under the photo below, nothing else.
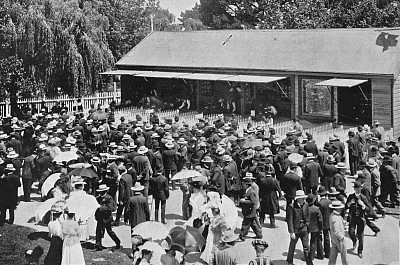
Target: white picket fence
(102, 98)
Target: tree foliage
(191, 19)
(273, 14)
(67, 43)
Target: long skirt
(54, 256)
(72, 253)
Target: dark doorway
(354, 105)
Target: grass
(15, 240)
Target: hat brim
(100, 190)
(137, 188)
(334, 193)
(79, 182)
(336, 207)
(301, 197)
(230, 239)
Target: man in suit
(358, 207)
(138, 206)
(312, 174)
(336, 226)
(329, 170)
(355, 152)
(298, 219)
(315, 228)
(160, 193)
(170, 161)
(232, 178)
(103, 216)
(339, 180)
(9, 183)
(290, 183)
(124, 193)
(323, 204)
(270, 192)
(249, 210)
(310, 146)
(225, 254)
(143, 168)
(218, 178)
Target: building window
(317, 100)
(205, 88)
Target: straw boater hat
(137, 187)
(310, 156)
(43, 137)
(77, 181)
(249, 177)
(207, 159)
(12, 154)
(229, 236)
(333, 191)
(226, 158)
(336, 205)
(126, 137)
(120, 148)
(42, 147)
(101, 128)
(95, 160)
(182, 141)
(300, 195)
(169, 145)
(148, 127)
(132, 145)
(340, 165)
(102, 187)
(71, 140)
(277, 141)
(113, 145)
(330, 159)
(155, 135)
(371, 163)
(10, 167)
(142, 150)
(94, 130)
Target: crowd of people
(135, 159)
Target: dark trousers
(371, 225)
(316, 245)
(145, 183)
(327, 243)
(303, 235)
(3, 210)
(169, 174)
(353, 160)
(26, 184)
(356, 231)
(100, 233)
(157, 207)
(185, 205)
(254, 223)
(271, 214)
(375, 202)
(120, 208)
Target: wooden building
(340, 75)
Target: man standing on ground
(312, 174)
(138, 206)
(298, 219)
(336, 225)
(160, 193)
(124, 193)
(323, 204)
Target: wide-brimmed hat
(43, 137)
(77, 181)
(94, 130)
(120, 148)
(330, 159)
(101, 128)
(226, 158)
(169, 145)
(182, 141)
(42, 147)
(155, 135)
(310, 156)
(142, 150)
(259, 242)
(102, 187)
(371, 163)
(89, 121)
(12, 154)
(207, 159)
(336, 205)
(132, 145)
(277, 141)
(291, 130)
(333, 191)
(300, 195)
(137, 187)
(148, 127)
(248, 177)
(113, 145)
(229, 236)
(70, 140)
(10, 167)
(341, 165)
(95, 160)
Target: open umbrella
(155, 230)
(83, 172)
(66, 157)
(49, 183)
(251, 143)
(185, 174)
(185, 240)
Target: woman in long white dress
(72, 253)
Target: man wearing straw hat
(138, 206)
(298, 218)
(143, 168)
(225, 254)
(104, 218)
(336, 226)
(9, 183)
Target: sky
(177, 6)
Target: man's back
(225, 255)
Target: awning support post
(363, 93)
(283, 92)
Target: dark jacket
(311, 147)
(315, 219)
(325, 211)
(269, 190)
(170, 159)
(339, 182)
(103, 214)
(312, 173)
(290, 183)
(124, 191)
(248, 204)
(142, 166)
(160, 187)
(298, 217)
(9, 190)
(139, 210)
(218, 179)
(329, 171)
(355, 209)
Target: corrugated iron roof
(350, 51)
